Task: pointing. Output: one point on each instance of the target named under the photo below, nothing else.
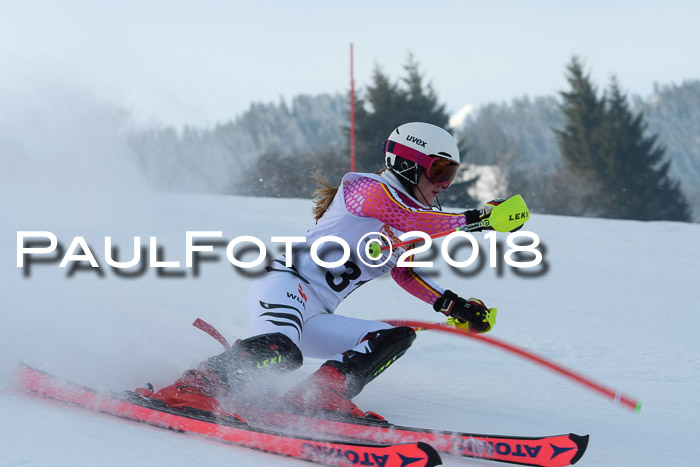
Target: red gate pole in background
(352, 114)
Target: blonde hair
(323, 195)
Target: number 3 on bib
(340, 282)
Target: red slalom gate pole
(613, 394)
(352, 112)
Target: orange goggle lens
(442, 170)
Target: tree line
(587, 153)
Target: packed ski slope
(617, 300)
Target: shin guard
(382, 347)
(257, 355)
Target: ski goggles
(437, 169)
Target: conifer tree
(636, 174)
(386, 105)
(420, 98)
(617, 170)
(579, 141)
(376, 115)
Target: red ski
(231, 429)
(546, 451)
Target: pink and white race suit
(300, 301)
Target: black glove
(472, 311)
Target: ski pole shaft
(505, 217)
(616, 396)
(466, 228)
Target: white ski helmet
(418, 145)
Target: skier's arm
(473, 312)
(421, 287)
(367, 197)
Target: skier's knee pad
(385, 347)
(261, 354)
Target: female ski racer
(292, 307)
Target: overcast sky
(203, 62)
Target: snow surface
(617, 302)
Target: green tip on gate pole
(375, 251)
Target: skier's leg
(282, 302)
(327, 335)
(277, 305)
(219, 375)
(375, 346)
